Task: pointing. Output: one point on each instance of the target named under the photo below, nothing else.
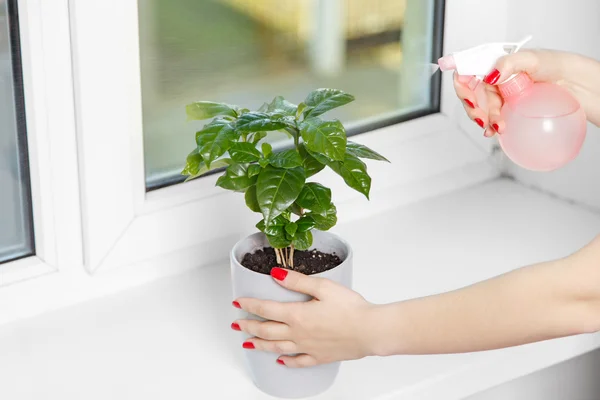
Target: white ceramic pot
(269, 376)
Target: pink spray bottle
(545, 126)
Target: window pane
(246, 52)
(15, 210)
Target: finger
(478, 116)
(300, 361)
(522, 61)
(464, 92)
(272, 346)
(495, 123)
(268, 330)
(302, 283)
(267, 309)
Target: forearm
(581, 76)
(534, 303)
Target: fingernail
(279, 273)
(248, 345)
(235, 326)
(492, 77)
(496, 127)
(479, 122)
(469, 103)
(488, 133)
(236, 304)
(280, 361)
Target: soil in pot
(307, 262)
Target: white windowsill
(171, 338)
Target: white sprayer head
(480, 60)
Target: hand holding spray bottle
(545, 126)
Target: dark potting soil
(307, 262)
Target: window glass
(16, 232)
(246, 52)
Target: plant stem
(285, 257)
(278, 257)
(292, 256)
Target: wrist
(378, 336)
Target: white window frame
(47, 81)
(92, 213)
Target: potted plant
(296, 211)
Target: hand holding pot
(329, 328)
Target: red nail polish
(235, 326)
(479, 122)
(248, 345)
(280, 361)
(493, 77)
(279, 273)
(496, 127)
(236, 304)
(469, 103)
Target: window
(16, 229)
(106, 124)
(245, 52)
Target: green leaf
(303, 240)
(254, 170)
(354, 172)
(277, 189)
(305, 223)
(207, 109)
(311, 165)
(267, 149)
(217, 164)
(322, 100)
(301, 108)
(258, 136)
(192, 163)
(217, 138)
(251, 200)
(281, 105)
(244, 152)
(361, 151)
(279, 242)
(257, 122)
(286, 159)
(314, 197)
(261, 225)
(291, 229)
(276, 227)
(264, 107)
(210, 131)
(325, 221)
(236, 178)
(263, 162)
(324, 137)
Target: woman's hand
(331, 327)
(578, 74)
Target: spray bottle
(545, 126)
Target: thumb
(299, 282)
(523, 61)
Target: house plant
(296, 211)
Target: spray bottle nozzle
(479, 60)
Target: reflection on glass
(244, 51)
(15, 214)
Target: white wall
(572, 26)
(576, 379)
